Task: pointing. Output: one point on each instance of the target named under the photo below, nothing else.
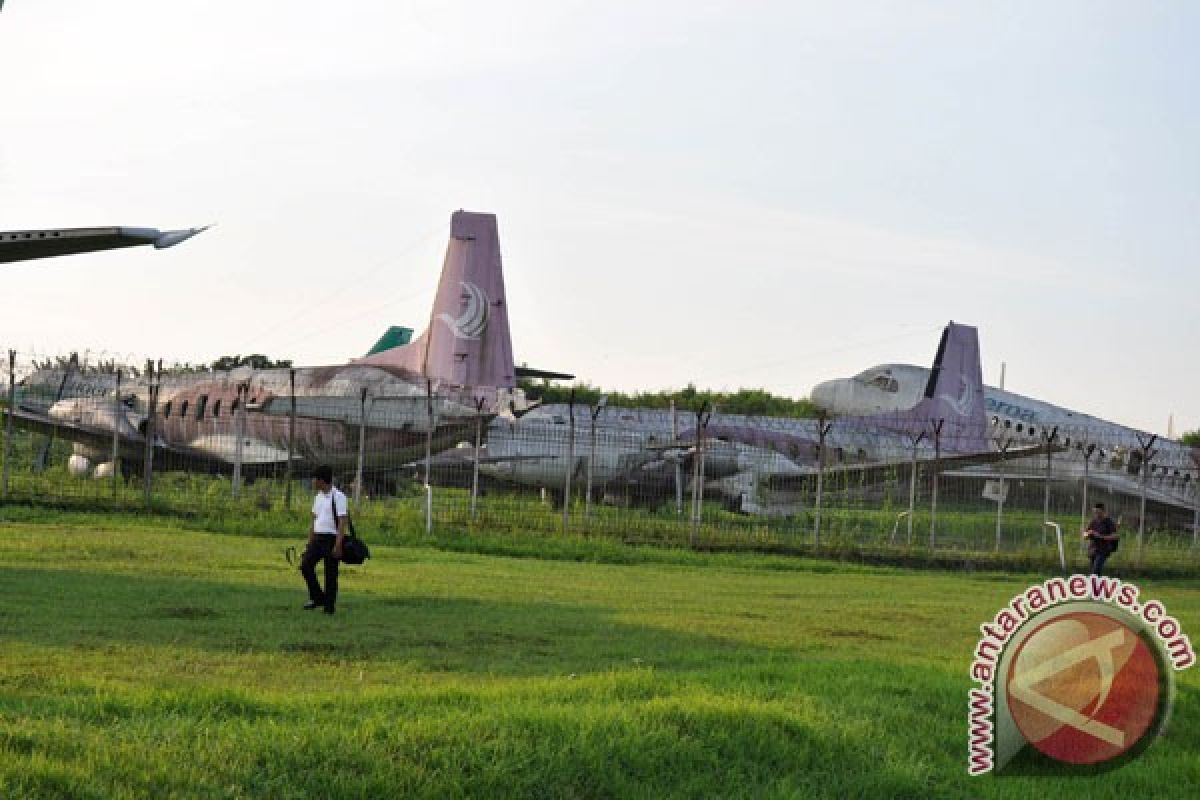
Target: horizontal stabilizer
(542, 374)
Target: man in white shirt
(325, 538)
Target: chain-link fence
(115, 435)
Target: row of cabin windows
(200, 407)
(1032, 431)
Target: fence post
(1147, 454)
(428, 455)
(8, 421)
(479, 402)
(702, 417)
(151, 412)
(1000, 511)
(678, 463)
(116, 440)
(570, 468)
(287, 470)
(239, 431)
(362, 445)
(912, 485)
(823, 429)
(587, 500)
(1088, 449)
(937, 466)
(1048, 439)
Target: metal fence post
(702, 417)
(287, 470)
(428, 455)
(937, 466)
(1048, 439)
(1088, 449)
(239, 431)
(912, 485)
(151, 426)
(1000, 511)
(823, 429)
(1147, 454)
(678, 463)
(475, 459)
(587, 499)
(116, 439)
(362, 445)
(570, 468)
(8, 421)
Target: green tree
(1191, 438)
(254, 361)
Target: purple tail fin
(467, 343)
(954, 395)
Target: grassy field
(138, 659)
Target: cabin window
(201, 403)
(995, 422)
(233, 408)
(1020, 427)
(217, 408)
(1032, 431)
(183, 409)
(1008, 423)
(166, 412)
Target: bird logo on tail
(473, 320)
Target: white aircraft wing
(33, 244)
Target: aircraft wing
(29, 245)
(98, 438)
(880, 470)
(465, 457)
(400, 413)
(215, 451)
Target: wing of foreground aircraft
(215, 454)
(29, 245)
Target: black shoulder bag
(354, 549)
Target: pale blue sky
(735, 194)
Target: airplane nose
(824, 395)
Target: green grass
(140, 659)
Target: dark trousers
(1097, 559)
(321, 548)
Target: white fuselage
(1014, 419)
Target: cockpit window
(880, 380)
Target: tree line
(751, 402)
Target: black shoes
(310, 606)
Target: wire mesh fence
(104, 435)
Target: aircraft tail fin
(395, 336)
(953, 395)
(467, 343)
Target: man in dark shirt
(1101, 534)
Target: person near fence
(1102, 537)
(325, 538)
